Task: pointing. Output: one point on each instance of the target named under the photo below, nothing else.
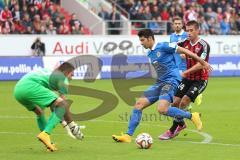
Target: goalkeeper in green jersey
(41, 89)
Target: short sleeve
(170, 47)
(181, 43)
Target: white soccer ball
(144, 141)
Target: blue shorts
(160, 91)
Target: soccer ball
(144, 141)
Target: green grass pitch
(220, 138)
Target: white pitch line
(108, 137)
(207, 137)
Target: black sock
(181, 123)
(174, 126)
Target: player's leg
(150, 97)
(196, 87)
(24, 93)
(181, 90)
(134, 121)
(164, 107)
(198, 100)
(40, 117)
(54, 119)
(176, 122)
(32, 96)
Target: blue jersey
(181, 63)
(163, 60)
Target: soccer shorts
(31, 94)
(160, 91)
(191, 88)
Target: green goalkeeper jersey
(52, 80)
(37, 88)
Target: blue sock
(134, 121)
(178, 113)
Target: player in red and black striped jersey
(194, 80)
(194, 69)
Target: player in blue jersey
(161, 56)
(177, 36)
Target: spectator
(37, 24)
(204, 26)
(51, 30)
(29, 30)
(103, 14)
(155, 12)
(18, 26)
(38, 48)
(77, 29)
(26, 21)
(73, 19)
(147, 13)
(238, 25)
(207, 5)
(43, 30)
(16, 12)
(165, 15)
(219, 14)
(24, 11)
(114, 22)
(210, 14)
(5, 14)
(190, 14)
(225, 26)
(154, 26)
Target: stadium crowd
(37, 17)
(47, 16)
(215, 16)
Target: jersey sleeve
(181, 43)
(59, 82)
(63, 87)
(205, 50)
(171, 38)
(170, 47)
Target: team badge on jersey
(197, 49)
(158, 54)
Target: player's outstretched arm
(195, 57)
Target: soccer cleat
(179, 129)
(123, 138)
(197, 121)
(198, 100)
(49, 150)
(166, 136)
(45, 139)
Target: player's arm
(193, 69)
(205, 65)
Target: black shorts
(191, 88)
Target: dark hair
(66, 67)
(177, 19)
(193, 23)
(146, 33)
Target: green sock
(54, 119)
(41, 121)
